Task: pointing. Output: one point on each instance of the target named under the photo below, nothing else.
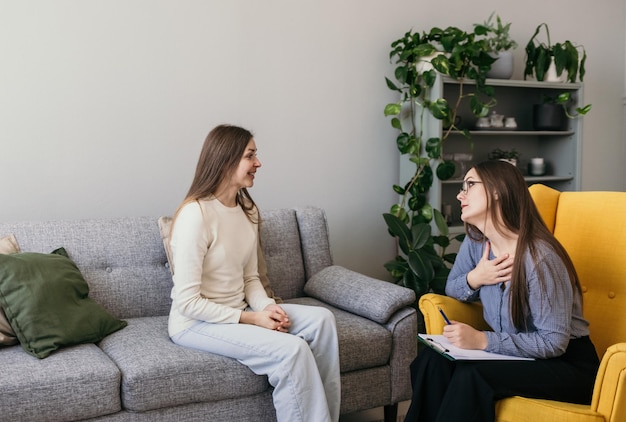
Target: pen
(437, 346)
(444, 316)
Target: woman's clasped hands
(273, 317)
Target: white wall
(104, 104)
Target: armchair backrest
(592, 228)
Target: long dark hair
(511, 207)
(220, 155)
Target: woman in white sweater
(218, 302)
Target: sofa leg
(391, 413)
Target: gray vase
(502, 68)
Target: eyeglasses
(466, 185)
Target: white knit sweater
(214, 253)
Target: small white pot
(551, 75)
(502, 68)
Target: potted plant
(422, 261)
(500, 44)
(510, 156)
(553, 112)
(552, 63)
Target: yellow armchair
(592, 228)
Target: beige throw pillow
(8, 245)
(165, 226)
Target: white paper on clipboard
(450, 351)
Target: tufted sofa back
(124, 261)
(592, 228)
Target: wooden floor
(374, 415)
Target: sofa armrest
(368, 297)
(469, 313)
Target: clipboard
(442, 346)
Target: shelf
(488, 132)
(561, 150)
(515, 83)
(530, 179)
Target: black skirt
(454, 391)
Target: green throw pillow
(45, 298)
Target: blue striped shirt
(555, 310)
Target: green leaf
(424, 50)
(393, 109)
(541, 64)
(396, 124)
(391, 85)
(445, 170)
(438, 283)
(430, 77)
(401, 74)
(563, 98)
(441, 64)
(583, 110)
(481, 29)
(399, 212)
(409, 281)
(440, 222)
(403, 141)
(399, 189)
(442, 241)
(426, 181)
(421, 235)
(439, 108)
(433, 147)
(399, 230)
(581, 70)
(450, 257)
(478, 107)
(427, 212)
(571, 64)
(397, 268)
(417, 201)
(421, 266)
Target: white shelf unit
(515, 98)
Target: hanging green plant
(422, 262)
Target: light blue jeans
(302, 365)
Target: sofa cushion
(8, 245)
(363, 344)
(359, 294)
(46, 301)
(280, 241)
(75, 383)
(314, 239)
(157, 373)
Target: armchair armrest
(609, 392)
(356, 293)
(469, 313)
(608, 402)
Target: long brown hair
(220, 155)
(511, 207)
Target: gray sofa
(138, 374)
